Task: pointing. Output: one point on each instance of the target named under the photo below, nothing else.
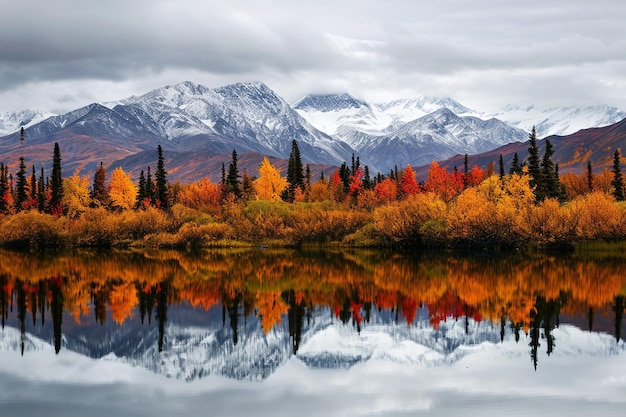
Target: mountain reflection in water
(243, 313)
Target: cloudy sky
(65, 54)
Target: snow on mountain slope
(341, 115)
(389, 134)
(249, 115)
(436, 136)
(558, 120)
(13, 121)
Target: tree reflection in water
(517, 293)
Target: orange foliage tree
(201, 195)
(122, 190)
(446, 185)
(408, 183)
(387, 190)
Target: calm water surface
(313, 332)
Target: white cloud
(489, 51)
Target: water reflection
(246, 311)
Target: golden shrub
(33, 229)
(402, 222)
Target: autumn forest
(525, 205)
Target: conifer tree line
(351, 182)
(46, 193)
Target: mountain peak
(12, 122)
(329, 102)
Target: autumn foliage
(473, 208)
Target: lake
(317, 331)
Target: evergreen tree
(618, 180)
(21, 192)
(307, 177)
(33, 185)
(501, 167)
(589, 176)
(41, 192)
(549, 184)
(233, 184)
(516, 168)
(56, 182)
(149, 186)
(141, 191)
(100, 192)
(161, 192)
(295, 173)
(367, 179)
(534, 168)
(344, 175)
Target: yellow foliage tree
(270, 184)
(76, 197)
(122, 190)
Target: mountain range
(199, 127)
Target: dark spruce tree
(534, 168)
(550, 184)
(233, 185)
(501, 168)
(150, 187)
(344, 175)
(41, 192)
(367, 179)
(516, 168)
(33, 185)
(618, 180)
(295, 172)
(100, 192)
(142, 194)
(589, 177)
(162, 189)
(56, 183)
(307, 177)
(21, 192)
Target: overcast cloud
(61, 55)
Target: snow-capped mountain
(188, 120)
(340, 115)
(195, 123)
(558, 120)
(12, 122)
(244, 116)
(418, 130)
(436, 136)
